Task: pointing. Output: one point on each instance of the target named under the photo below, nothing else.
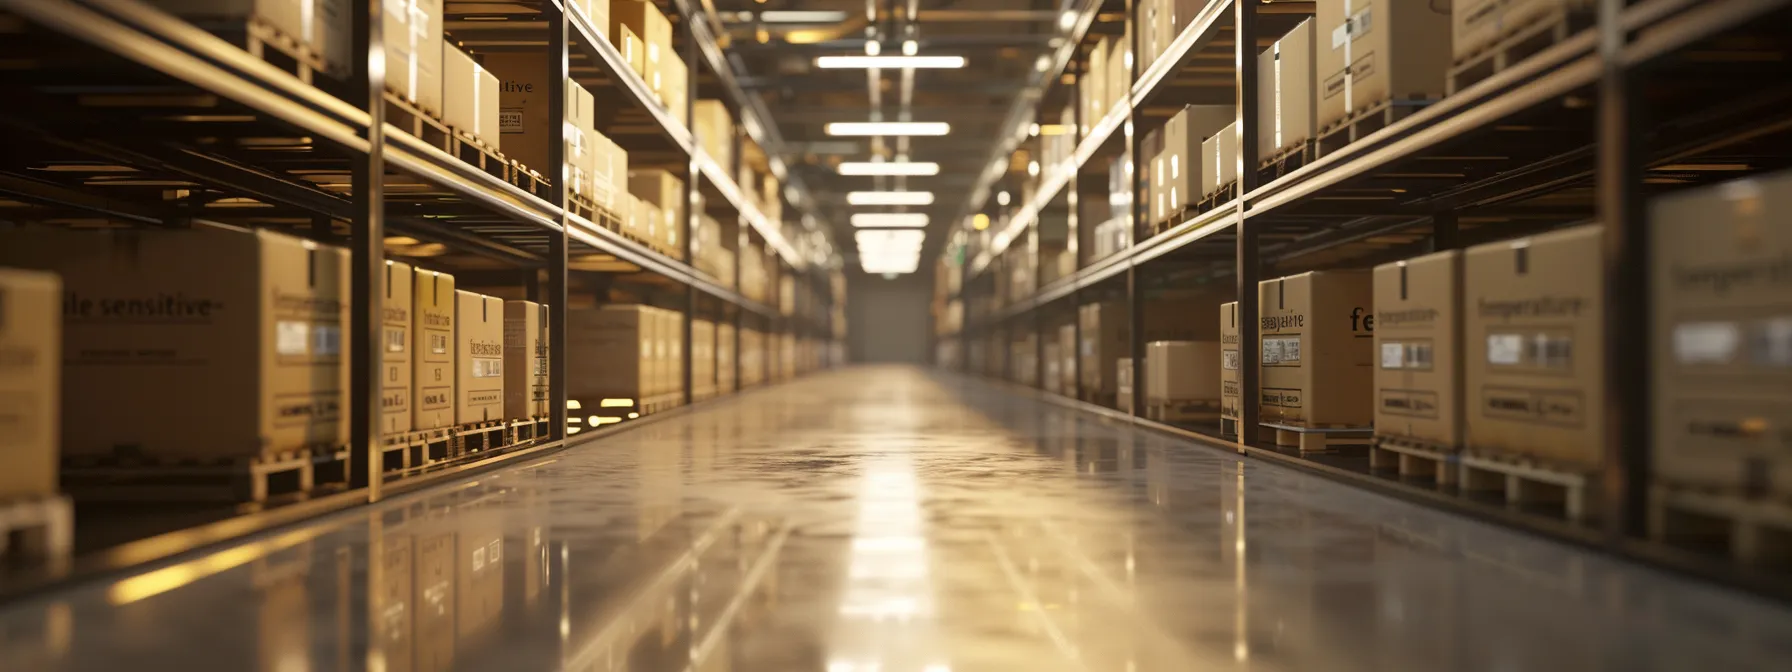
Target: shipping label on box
(1532, 328)
(1317, 332)
(1418, 372)
(395, 359)
(30, 383)
(1229, 362)
(525, 360)
(479, 341)
(432, 347)
(1722, 336)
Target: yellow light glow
(980, 221)
(605, 420)
(632, 416)
(573, 404)
(616, 403)
(1054, 129)
(160, 581)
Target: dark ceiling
(1001, 40)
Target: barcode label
(1707, 342)
(1393, 356)
(395, 339)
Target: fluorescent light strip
(889, 128)
(889, 220)
(919, 168)
(890, 198)
(865, 62)
(777, 16)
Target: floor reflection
(883, 520)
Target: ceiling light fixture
(889, 128)
(901, 168)
(872, 48)
(786, 16)
(1002, 198)
(889, 220)
(1067, 20)
(890, 198)
(909, 47)
(873, 61)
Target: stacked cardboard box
(432, 347)
(471, 99)
(673, 333)
(1182, 372)
(1535, 365)
(1123, 383)
(525, 360)
(644, 35)
(581, 142)
(1722, 341)
(30, 383)
(1287, 109)
(1380, 50)
(1094, 84)
(396, 325)
(1117, 81)
(674, 89)
(1476, 25)
(1181, 166)
(479, 343)
(609, 171)
(595, 11)
(1317, 335)
(1220, 156)
(411, 31)
(714, 126)
(703, 358)
(525, 113)
(1418, 346)
(1231, 404)
(664, 192)
(323, 27)
(251, 340)
(610, 354)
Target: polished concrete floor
(882, 519)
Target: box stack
(1535, 364)
(1478, 25)
(479, 342)
(1418, 337)
(1231, 403)
(395, 320)
(662, 197)
(1177, 173)
(1180, 377)
(251, 339)
(1722, 341)
(614, 352)
(433, 352)
(526, 112)
(1123, 384)
(581, 145)
(1381, 51)
(525, 360)
(644, 35)
(321, 29)
(1220, 156)
(472, 102)
(1287, 110)
(609, 171)
(1317, 339)
(30, 383)
(714, 126)
(412, 36)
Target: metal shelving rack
(189, 105)
(1581, 130)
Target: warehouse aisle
(891, 520)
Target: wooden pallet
(474, 437)
(1753, 531)
(1321, 439)
(1414, 458)
(1517, 43)
(422, 124)
(582, 206)
(1169, 411)
(1525, 481)
(1365, 122)
(418, 448)
(40, 528)
(276, 48)
(1229, 427)
(1286, 161)
(527, 431)
(661, 403)
(1217, 199)
(131, 477)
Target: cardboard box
(1185, 136)
(525, 115)
(1123, 385)
(432, 345)
(665, 192)
(1371, 51)
(609, 174)
(1094, 84)
(1287, 110)
(525, 360)
(645, 21)
(30, 383)
(597, 12)
(1721, 340)
(1231, 407)
(608, 353)
(1107, 337)
(1418, 351)
(396, 381)
(1317, 334)
(1117, 84)
(703, 358)
(1533, 319)
(1067, 349)
(412, 34)
(634, 51)
(1052, 379)
(1179, 372)
(471, 97)
(674, 90)
(714, 126)
(1220, 158)
(1477, 25)
(725, 349)
(673, 334)
(237, 357)
(479, 342)
(327, 33)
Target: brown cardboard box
(1123, 385)
(479, 340)
(30, 382)
(525, 360)
(725, 358)
(396, 382)
(665, 192)
(1388, 49)
(1418, 351)
(432, 345)
(714, 126)
(1067, 349)
(1317, 335)
(524, 110)
(1052, 379)
(412, 36)
(1094, 84)
(1721, 339)
(607, 354)
(1182, 371)
(1219, 156)
(1117, 83)
(1287, 109)
(703, 358)
(327, 33)
(1184, 136)
(233, 358)
(674, 91)
(1230, 406)
(645, 21)
(1107, 337)
(673, 333)
(1533, 318)
(1476, 25)
(597, 12)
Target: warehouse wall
(888, 320)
